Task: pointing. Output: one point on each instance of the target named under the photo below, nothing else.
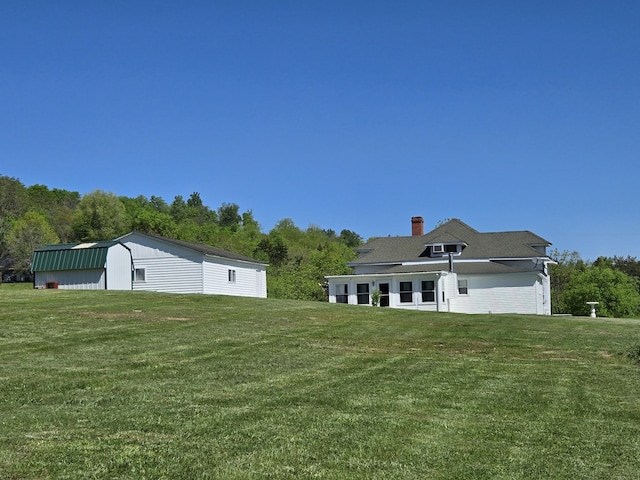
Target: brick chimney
(417, 226)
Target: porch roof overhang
(462, 267)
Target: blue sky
(341, 114)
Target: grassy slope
(140, 385)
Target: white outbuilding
(167, 265)
(83, 266)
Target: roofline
(387, 275)
(73, 245)
(434, 272)
(192, 245)
(444, 259)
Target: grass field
(115, 385)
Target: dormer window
(441, 249)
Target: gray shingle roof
(395, 250)
(200, 248)
(466, 268)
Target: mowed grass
(134, 385)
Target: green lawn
(138, 385)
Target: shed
(83, 266)
(175, 266)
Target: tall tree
(567, 264)
(13, 201)
(350, 239)
(228, 216)
(178, 209)
(13, 198)
(154, 222)
(100, 216)
(28, 233)
(159, 204)
(274, 248)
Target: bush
(617, 293)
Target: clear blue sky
(342, 114)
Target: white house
(83, 266)
(453, 268)
(173, 266)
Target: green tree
(13, 198)
(57, 205)
(567, 264)
(178, 209)
(197, 212)
(159, 204)
(617, 292)
(273, 249)
(13, 202)
(350, 239)
(100, 216)
(228, 216)
(28, 233)
(629, 265)
(154, 222)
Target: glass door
(384, 294)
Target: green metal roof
(71, 256)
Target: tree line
(299, 259)
(614, 282)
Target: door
(384, 294)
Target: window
(462, 287)
(363, 293)
(342, 293)
(439, 249)
(232, 276)
(406, 292)
(428, 291)
(139, 275)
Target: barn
(83, 266)
(174, 266)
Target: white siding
(374, 282)
(174, 269)
(72, 279)
(508, 293)
(169, 274)
(249, 280)
(118, 268)
(511, 293)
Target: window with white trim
(342, 293)
(428, 290)
(139, 275)
(406, 292)
(362, 290)
(232, 276)
(463, 288)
